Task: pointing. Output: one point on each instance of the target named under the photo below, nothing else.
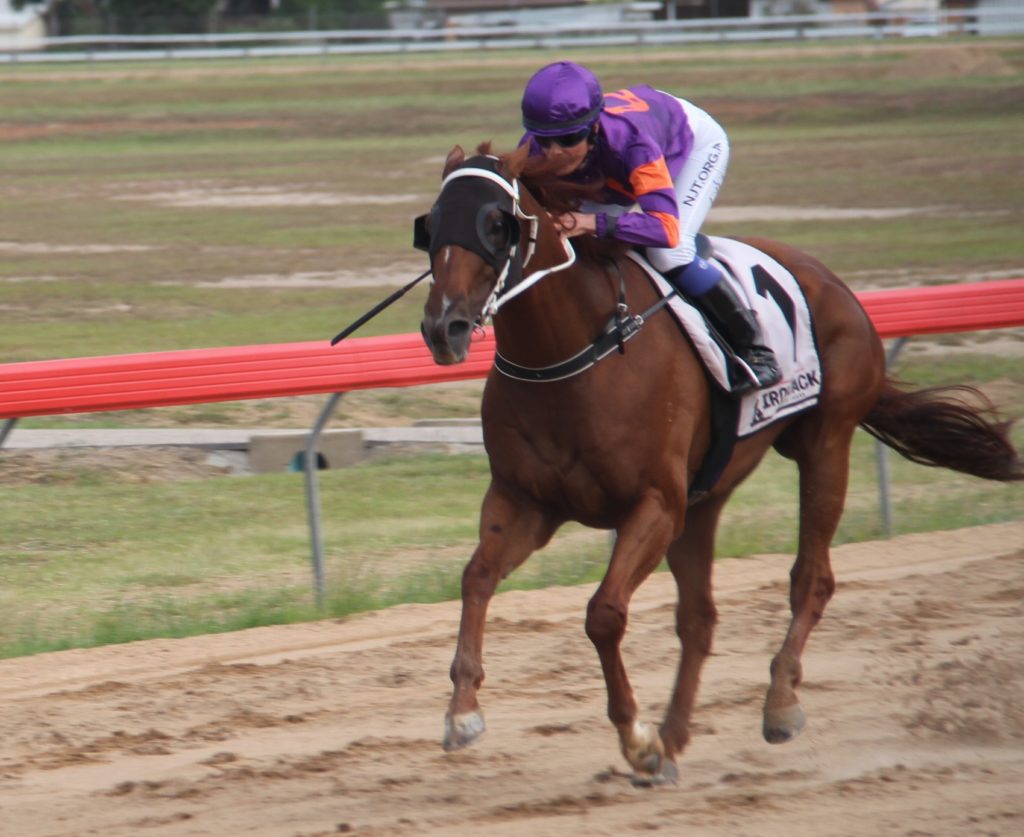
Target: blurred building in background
(24, 21)
(21, 28)
(411, 14)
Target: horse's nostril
(458, 330)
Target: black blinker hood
(461, 216)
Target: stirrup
(765, 367)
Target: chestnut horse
(618, 444)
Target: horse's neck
(560, 315)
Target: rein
(622, 327)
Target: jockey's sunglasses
(564, 140)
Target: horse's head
(472, 235)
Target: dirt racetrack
(913, 691)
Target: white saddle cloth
(785, 320)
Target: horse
(608, 426)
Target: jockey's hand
(576, 223)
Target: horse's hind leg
(823, 455)
(509, 532)
(639, 546)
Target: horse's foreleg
(509, 533)
(639, 546)
(823, 479)
(690, 558)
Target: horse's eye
(499, 232)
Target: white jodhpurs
(697, 186)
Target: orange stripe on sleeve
(671, 225)
(650, 177)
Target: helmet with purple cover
(561, 98)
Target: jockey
(660, 154)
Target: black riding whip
(380, 306)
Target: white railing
(993, 21)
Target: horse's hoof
(782, 725)
(462, 730)
(643, 748)
(664, 774)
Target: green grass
(117, 562)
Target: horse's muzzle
(447, 337)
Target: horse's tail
(953, 427)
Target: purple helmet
(561, 98)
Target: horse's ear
(453, 161)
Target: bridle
(505, 261)
(512, 207)
(500, 295)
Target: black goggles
(564, 140)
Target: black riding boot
(738, 325)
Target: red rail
(161, 379)
(943, 309)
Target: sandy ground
(913, 686)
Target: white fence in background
(990, 22)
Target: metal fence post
(882, 453)
(309, 467)
(5, 431)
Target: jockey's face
(567, 157)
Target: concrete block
(285, 451)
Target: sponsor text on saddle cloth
(775, 295)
